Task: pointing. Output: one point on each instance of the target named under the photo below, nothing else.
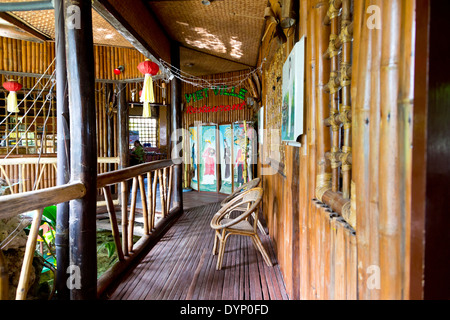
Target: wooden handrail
(12, 205)
(117, 176)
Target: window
(145, 130)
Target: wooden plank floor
(181, 266)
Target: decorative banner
(226, 135)
(205, 109)
(222, 91)
(208, 160)
(193, 155)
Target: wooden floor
(181, 266)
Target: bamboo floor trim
(181, 266)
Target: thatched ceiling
(220, 37)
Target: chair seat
(243, 225)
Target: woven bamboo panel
(228, 29)
(197, 63)
(44, 22)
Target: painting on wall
(208, 158)
(244, 139)
(225, 142)
(293, 93)
(194, 158)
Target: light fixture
(206, 2)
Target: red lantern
(148, 67)
(12, 86)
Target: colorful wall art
(244, 143)
(208, 158)
(193, 156)
(226, 140)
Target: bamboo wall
(25, 61)
(322, 254)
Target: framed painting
(293, 93)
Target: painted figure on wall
(226, 168)
(227, 158)
(193, 148)
(209, 155)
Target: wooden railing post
(82, 217)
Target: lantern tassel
(147, 96)
(12, 102)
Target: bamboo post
(390, 219)
(144, 204)
(22, 287)
(155, 182)
(169, 191)
(63, 168)
(333, 87)
(345, 38)
(176, 125)
(113, 220)
(134, 190)
(81, 80)
(162, 193)
(360, 125)
(322, 71)
(124, 205)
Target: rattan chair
(241, 225)
(246, 186)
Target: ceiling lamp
(119, 70)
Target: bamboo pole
(23, 286)
(113, 220)
(374, 149)
(390, 219)
(134, 190)
(360, 125)
(405, 107)
(322, 34)
(144, 204)
(124, 203)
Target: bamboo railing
(158, 172)
(34, 201)
(28, 173)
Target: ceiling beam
(26, 6)
(23, 26)
(137, 25)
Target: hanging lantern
(12, 86)
(149, 69)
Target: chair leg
(216, 239)
(262, 250)
(222, 242)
